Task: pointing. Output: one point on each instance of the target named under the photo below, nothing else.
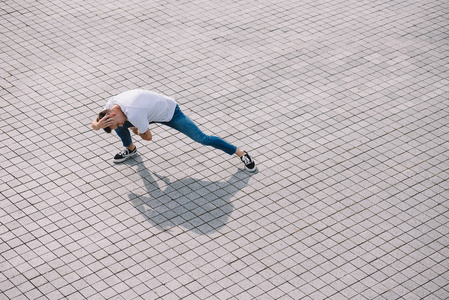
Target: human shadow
(198, 205)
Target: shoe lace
(124, 151)
(246, 160)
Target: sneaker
(250, 164)
(124, 155)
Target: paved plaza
(344, 104)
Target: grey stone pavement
(344, 104)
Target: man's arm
(146, 135)
(103, 123)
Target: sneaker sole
(123, 159)
(251, 170)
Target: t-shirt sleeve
(137, 116)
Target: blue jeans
(183, 124)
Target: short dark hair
(101, 116)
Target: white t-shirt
(142, 107)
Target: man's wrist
(95, 126)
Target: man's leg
(130, 150)
(185, 125)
